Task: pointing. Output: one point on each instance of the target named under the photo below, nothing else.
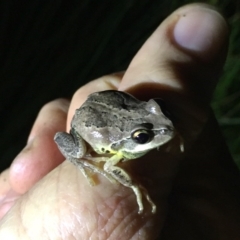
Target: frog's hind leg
(123, 177)
(83, 164)
(86, 175)
(98, 170)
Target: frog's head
(155, 130)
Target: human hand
(180, 63)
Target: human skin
(197, 192)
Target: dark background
(48, 49)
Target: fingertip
(37, 159)
(200, 30)
(185, 55)
(52, 117)
(41, 154)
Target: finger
(188, 49)
(180, 63)
(154, 69)
(108, 193)
(190, 57)
(41, 154)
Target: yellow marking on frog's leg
(123, 177)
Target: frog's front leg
(71, 145)
(123, 177)
(73, 148)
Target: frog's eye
(142, 136)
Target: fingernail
(200, 30)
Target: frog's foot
(147, 196)
(123, 177)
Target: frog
(112, 127)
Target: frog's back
(103, 108)
(115, 100)
(108, 118)
(110, 109)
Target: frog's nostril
(163, 131)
